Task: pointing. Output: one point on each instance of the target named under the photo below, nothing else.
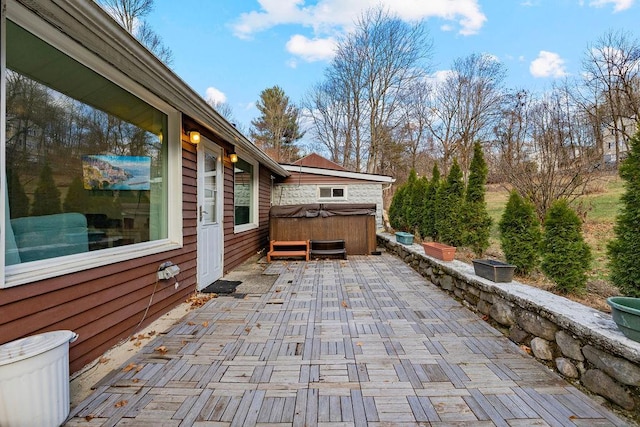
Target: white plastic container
(34, 380)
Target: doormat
(222, 287)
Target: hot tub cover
(322, 209)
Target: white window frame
(332, 187)
(255, 202)
(19, 274)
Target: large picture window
(86, 160)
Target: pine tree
(46, 198)
(428, 226)
(277, 129)
(624, 249)
(565, 255)
(476, 218)
(520, 234)
(449, 206)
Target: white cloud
(441, 76)
(215, 96)
(311, 50)
(618, 5)
(328, 16)
(547, 64)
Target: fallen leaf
(137, 343)
(129, 367)
(344, 304)
(162, 349)
(247, 330)
(359, 344)
(152, 333)
(205, 324)
(89, 417)
(485, 317)
(139, 368)
(525, 349)
(121, 403)
(135, 380)
(103, 360)
(258, 325)
(191, 323)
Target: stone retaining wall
(580, 343)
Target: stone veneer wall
(294, 194)
(581, 343)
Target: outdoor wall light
(194, 137)
(233, 157)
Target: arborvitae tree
(565, 255)
(520, 234)
(428, 226)
(46, 198)
(396, 208)
(413, 211)
(449, 206)
(18, 200)
(476, 218)
(406, 208)
(624, 249)
(77, 199)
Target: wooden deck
(343, 343)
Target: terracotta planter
(439, 250)
(493, 270)
(626, 313)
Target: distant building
(315, 179)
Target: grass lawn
(601, 207)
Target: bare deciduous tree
(327, 113)
(130, 14)
(612, 67)
(366, 80)
(465, 106)
(547, 150)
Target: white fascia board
(340, 174)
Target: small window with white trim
(333, 193)
(245, 194)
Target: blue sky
(231, 50)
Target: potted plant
(493, 270)
(439, 250)
(626, 314)
(404, 237)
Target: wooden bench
(288, 249)
(323, 248)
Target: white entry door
(210, 203)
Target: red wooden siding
(238, 247)
(105, 304)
